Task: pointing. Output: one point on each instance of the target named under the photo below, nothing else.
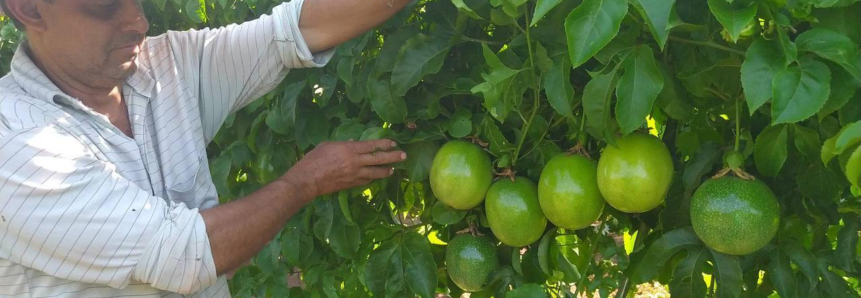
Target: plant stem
(737, 125)
(536, 96)
(707, 44)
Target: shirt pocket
(185, 184)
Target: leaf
(733, 17)
(842, 20)
(799, 92)
(770, 149)
(662, 250)
(390, 52)
(461, 123)
(806, 140)
(818, 182)
(196, 10)
(378, 269)
(832, 46)
(391, 108)
(462, 7)
(344, 238)
(763, 60)
(497, 86)
(419, 266)
(422, 55)
(702, 163)
(782, 276)
(491, 133)
(591, 26)
(544, 251)
(803, 259)
(220, 169)
(847, 241)
(557, 85)
(848, 136)
(688, 275)
(445, 215)
(843, 88)
(542, 8)
(728, 273)
(527, 291)
(419, 159)
(325, 217)
(596, 101)
(656, 13)
(835, 285)
(637, 89)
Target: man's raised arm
(328, 23)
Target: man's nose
(132, 17)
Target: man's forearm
(328, 23)
(238, 230)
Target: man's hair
(8, 13)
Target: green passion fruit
(470, 260)
(513, 212)
(460, 174)
(734, 216)
(635, 176)
(568, 192)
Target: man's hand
(342, 165)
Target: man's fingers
(373, 146)
(382, 158)
(375, 172)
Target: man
(105, 188)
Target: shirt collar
(37, 84)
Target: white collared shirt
(86, 211)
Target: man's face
(99, 38)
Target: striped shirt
(86, 211)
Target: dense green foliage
(775, 80)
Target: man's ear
(27, 13)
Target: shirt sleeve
(233, 65)
(74, 217)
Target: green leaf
(557, 85)
(763, 60)
(832, 46)
(445, 215)
(542, 8)
(325, 217)
(847, 242)
(727, 270)
(806, 140)
(843, 88)
(391, 108)
(391, 50)
(220, 170)
(846, 138)
(638, 88)
(591, 26)
(499, 144)
(282, 119)
(497, 87)
(527, 291)
(296, 243)
(462, 7)
(422, 55)
(196, 10)
(656, 13)
(835, 285)
(662, 250)
(734, 17)
(461, 123)
(687, 279)
(597, 97)
(803, 259)
(344, 238)
(419, 159)
(544, 251)
(800, 91)
(378, 269)
(818, 182)
(782, 276)
(419, 266)
(842, 20)
(770, 149)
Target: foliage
(776, 80)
